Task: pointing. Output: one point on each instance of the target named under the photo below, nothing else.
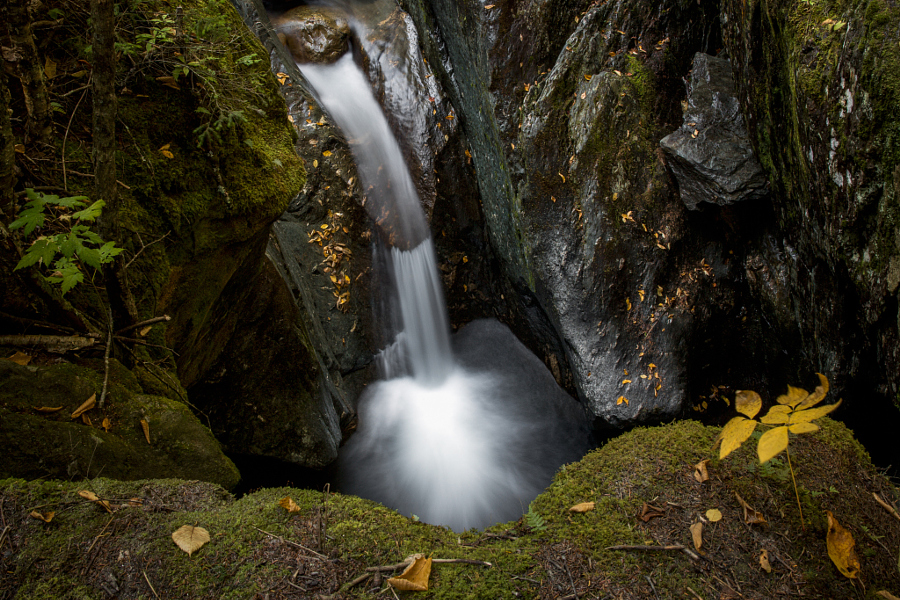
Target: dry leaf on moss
(45, 517)
(190, 538)
(415, 577)
(764, 560)
(841, 549)
(700, 472)
(88, 495)
(20, 358)
(714, 514)
(289, 505)
(146, 427)
(751, 515)
(886, 595)
(648, 511)
(697, 534)
(582, 507)
(88, 405)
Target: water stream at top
(463, 432)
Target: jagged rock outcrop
(710, 155)
(313, 34)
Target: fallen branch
(678, 547)
(289, 542)
(408, 561)
(885, 505)
(143, 323)
(109, 338)
(53, 342)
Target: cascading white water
(463, 434)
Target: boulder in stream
(313, 33)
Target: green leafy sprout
(62, 254)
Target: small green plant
(69, 243)
(793, 412)
(534, 521)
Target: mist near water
(461, 432)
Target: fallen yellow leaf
(326, 153)
(146, 427)
(106, 425)
(764, 560)
(621, 400)
(582, 507)
(289, 505)
(700, 472)
(415, 576)
(88, 405)
(46, 518)
(841, 548)
(190, 538)
(886, 595)
(88, 495)
(20, 358)
(714, 515)
(697, 534)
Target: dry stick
(408, 561)
(656, 549)
(80, 174)
(3, 535)
(66, 137)
(301, 546)
(76, 342)
(147, 579)
(885, 505)
(652, 587)
(109, 338)
(143, 323)
(695, 593)
(143, 245)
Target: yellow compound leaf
(735, 432)
(289, 505)
(810, 414)
(772, 443)
(747, 403)
(803, 427)
(190, 538)
(582, 507)
(146, 427)
(841, 548)
(88, 405)
(794, 396)
(777, 415)
(818, 394)
(415, 577)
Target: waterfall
(463, 432)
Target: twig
(69, 342)
(652, 587)
(143, 323)
(3, 535)
(109, 338)
(323, 516)
(678, 547)
(301, 546)
(356, 581)
(66, 136)
(408, 561)
(787, 453)
(695, 593)
(143, 245)
(886, 506)
(100, 534)
(147, 579)
(80, 174)
(122, 338)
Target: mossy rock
(257, 547)
(112, 441)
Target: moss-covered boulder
(645, 499)
(132, 436)
(820, 84)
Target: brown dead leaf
(697, 534)
(89, 495)
(841, 549)
(49, 68)
(146, 427)
(20, 358)
(700, 472)
(45, 517)
(751, 515)
(886, 595)
(582, 507)
(88, 405)
(86, 419)
(415, 576)
(190, 538)
(289, 505)
(168, 81)
(145, 330)
(764, 560)
(648, 511)
(47, 409)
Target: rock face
(40, 444)
(710, 155)
(313, 34)
(820, 92)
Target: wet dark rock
(313, 33)
(711, 155)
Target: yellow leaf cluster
(793, 413)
